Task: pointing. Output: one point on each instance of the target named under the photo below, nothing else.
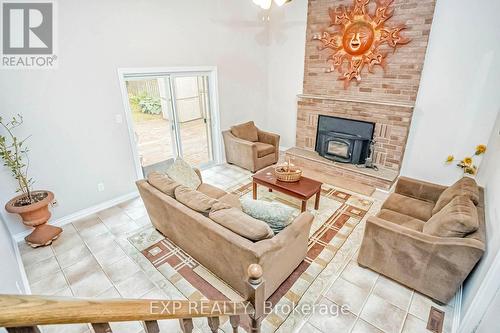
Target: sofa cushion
(232, 200)
(246, 131)
(277, 215)
(240, 223)
(418, 209)
(264, 149)
(162, 182)
(220, 205)
(211, 191)
(457, 219)
(464, 187)
(183, 173)
(193, 199)
(401, 219)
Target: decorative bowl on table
(287, 173)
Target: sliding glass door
(170, 116)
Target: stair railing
(24, 313)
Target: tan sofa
(251, 148)
(426, 236)
(224, 252)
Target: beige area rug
(339, 213)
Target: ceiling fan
(266, 4)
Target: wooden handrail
(23, 313)
(19, 311)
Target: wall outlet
(100, 187)
(118, 118)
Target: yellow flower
(450, 158)
(467, 161)
(480, 149)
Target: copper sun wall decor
(358, 37)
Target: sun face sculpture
(358, 37)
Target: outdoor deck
(154, 141)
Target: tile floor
(93, 258)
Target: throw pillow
(240, 223)
(465, 186)
(193, 199)
(457, 219)
(277, 215)
(183, 173)
(246, 131)
(162, 182)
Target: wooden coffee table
(303, 190)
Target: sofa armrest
(419, 189)
(240, 152)
(269, 138)
(299, 227)
(280, 255)
(417, 237)
(245, 146)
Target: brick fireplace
(385, 98)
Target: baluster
(151, 326)
(30, 329)
(256, 296)
(186, 325)
(102, 328)
(213, 323)
(235, 323)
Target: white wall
(489, 175)
(458, 98)
(70, 112)
(11, 279)
(287, 39)
(490, 322)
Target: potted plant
(32, 206)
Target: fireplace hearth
(344, 140)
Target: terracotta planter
(36, 215)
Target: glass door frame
(125, 74)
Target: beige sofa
(427, 237)
(225, 252)
(251, 148)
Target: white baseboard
(457, 310)
(283, 148)
(24, 277)
(81, 213)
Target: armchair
(251, 148)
